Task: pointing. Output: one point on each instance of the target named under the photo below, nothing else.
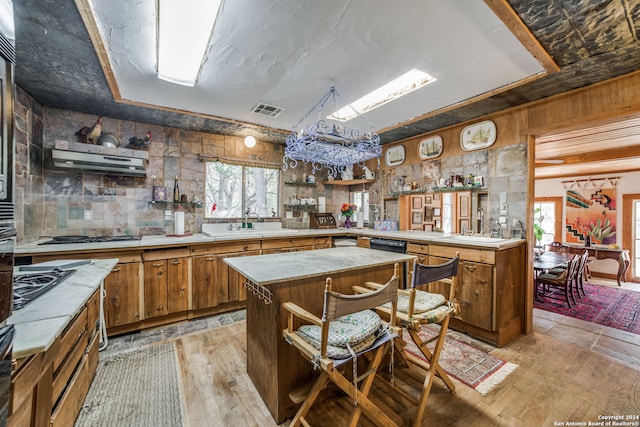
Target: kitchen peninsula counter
(274, 366)
(40, 322)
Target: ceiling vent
(266, 110)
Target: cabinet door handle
(157, 265)
(465, 303)
(209, 259)
(470, 267)
(483, 282)
(175, 262)
(116, 270)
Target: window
(636, 238)
(549, 219)
(361, 200)
(233, 188)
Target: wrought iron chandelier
(331, 146)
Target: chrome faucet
(247, 214)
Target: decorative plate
(478, 136)
(394, 155)
(430, 148)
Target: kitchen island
(274, 366)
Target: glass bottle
(176, 191)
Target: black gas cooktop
(28, 287)
(87, 239)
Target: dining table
(546, 261)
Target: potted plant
(538, 231)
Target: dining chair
(581, 274)
(349, 331)
(416, 308)
(562, 281)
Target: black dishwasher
(399, 246)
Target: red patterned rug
(469, 365)
(613, 307)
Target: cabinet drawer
(72, 400)
(364, 242)
(226, 248)
(160, 254)
(322, 242)
(287, 243)
(418, 248)
(485, 256)
(74, 333)
(61, 376)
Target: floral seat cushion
(357, 331)
(425, 301)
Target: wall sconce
(249, 141)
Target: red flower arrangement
(348, 210)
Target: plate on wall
(394, 155)
(430, 148)
(478, 136)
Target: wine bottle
(176, 191)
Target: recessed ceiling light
(184, 29)
(396, 88)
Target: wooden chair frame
(337, 305)
(563, 282)
(447, 273)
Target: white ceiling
(287, 53)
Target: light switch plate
(167, 215)
(503, 220)
(88, 215)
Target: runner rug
(613, 307)
(469, 365)
(135, 389)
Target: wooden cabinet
(322, 242)
(490, 291)
(214, 284)
(166, 281)
(48, 388)
(122, 293)
(290, 244)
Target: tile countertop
(161, 240)
(40, 322)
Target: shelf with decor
(349, 181)
(302, 207)
(454, 189)
(168, 203)
(300, 183)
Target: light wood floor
(568, 370)
(556, 381)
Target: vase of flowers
(347, 211)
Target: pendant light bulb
(249, 141)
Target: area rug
(612, 307)
(469, 365)
(138, 388)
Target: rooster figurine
(140, 143)
(90, 134)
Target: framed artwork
(428, 200)
(416, 218)
(436, 212)
(478, 181)
(428, 227)
(394, 155)
(159, 194)
(428, 214)
(436, 197)
(430, 148)
(478, 136)
(417, 202)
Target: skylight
(184, 29)
(393, 90)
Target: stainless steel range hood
(107, 162)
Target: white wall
(628, 183)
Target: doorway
(631, 240)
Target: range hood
(99, 160)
